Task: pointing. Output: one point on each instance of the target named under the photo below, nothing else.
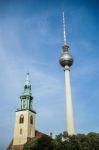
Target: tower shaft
(24, 128)
(69, 109)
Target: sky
(31, 39)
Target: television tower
(66, 60)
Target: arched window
(20, 131)
(21, 119)
(31, 120)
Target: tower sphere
(66, 59)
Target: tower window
(31, 120)
(21, 120)
(20, 131)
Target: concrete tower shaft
(68, 96)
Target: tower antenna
(64, 30)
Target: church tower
(25, 117)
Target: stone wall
(15, 147)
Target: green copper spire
(27, 85)
(26, 98)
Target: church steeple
(26, 97)
(25, 118)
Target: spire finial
(65, 42)
(27, 76)
(27, 79)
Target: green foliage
(43, 143)
(64, 141)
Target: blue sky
(31, 37)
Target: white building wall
(28, 130)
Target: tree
(43, 143)
(64, 141)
